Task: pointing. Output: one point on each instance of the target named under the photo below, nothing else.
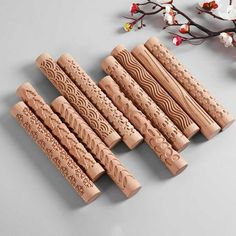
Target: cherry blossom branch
(143, 14)
(170, 13)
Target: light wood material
(155, 91)
(152, 136)
(114, 168)
(141, 99)
(77, 99)
(208, 127)
(55, 152)
(76, 149)
(194, 88)
(120, 123)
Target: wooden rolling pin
(114, 168)
(140, 98)
(67, 139)
(55, 152)
(208, 127)
(129, 134)
(194, 88)
(78, 100)
(155, 91)
(152, 136)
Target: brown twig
(209, 13)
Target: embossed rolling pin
(78, 100)
(207, 125)
(67, 139)
(155, 91)
(152, 136)
(114, 168)
(55, 152)
(194, 88)
(129, 134)
(140, 99)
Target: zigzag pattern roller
(118, 173)
(155, 91)
(208, 126)
(30, 96)
(152, 136)
(195, 89)
(130, 136)
(140, 98)
(58, 156)
(79, 101)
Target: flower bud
(177, 40)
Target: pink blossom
(177, 40)
(134, 8)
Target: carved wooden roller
(155, 91)
(148, 94)
(129, 134)
(76, 149)
(79, 101)
(114, 168)
(208, 127)
(55, 152)
(152, 136)
(141, 99)
(194, 88)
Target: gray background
(36, 200)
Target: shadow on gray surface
(110, 190)
(9, 101)
(96, 72)
(218, 48)
(232, 72)
(120, 30)
(120, 148)
(151, 160)
(198, 139)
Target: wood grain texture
(155, 91)
(114, 168)
(67, 139)
(55, 152)
(141, 99)
(78, 100)
(208, 127)
(152, 136)
(194, 88)
(129, 134)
